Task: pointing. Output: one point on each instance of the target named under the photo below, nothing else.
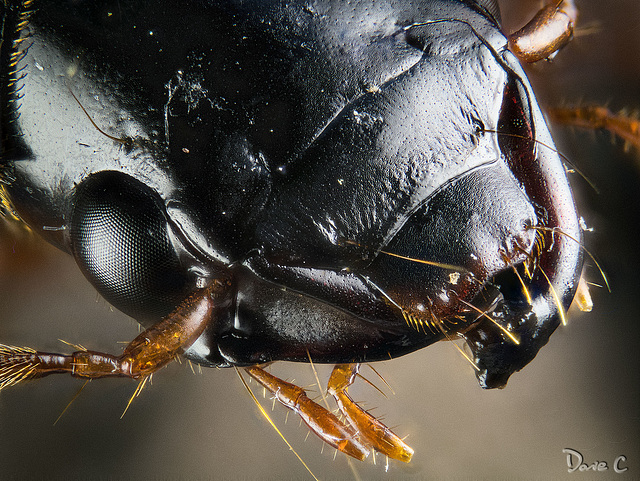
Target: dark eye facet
(120, 239)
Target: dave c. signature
(576, 462)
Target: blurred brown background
(581, 391)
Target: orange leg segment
(323, 423)
(371, 430)
(362, 433)
(624, 126)
(549, 31)
(151, 350)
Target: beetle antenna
(265, 414)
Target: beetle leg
(622, 125)
(370, 430)
(322, 422)
(547, 32)
(152, 349)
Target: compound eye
(120, 239)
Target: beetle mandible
(338, 181)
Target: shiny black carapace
(253, 181)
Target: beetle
(362, 246)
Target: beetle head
(297, 152)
